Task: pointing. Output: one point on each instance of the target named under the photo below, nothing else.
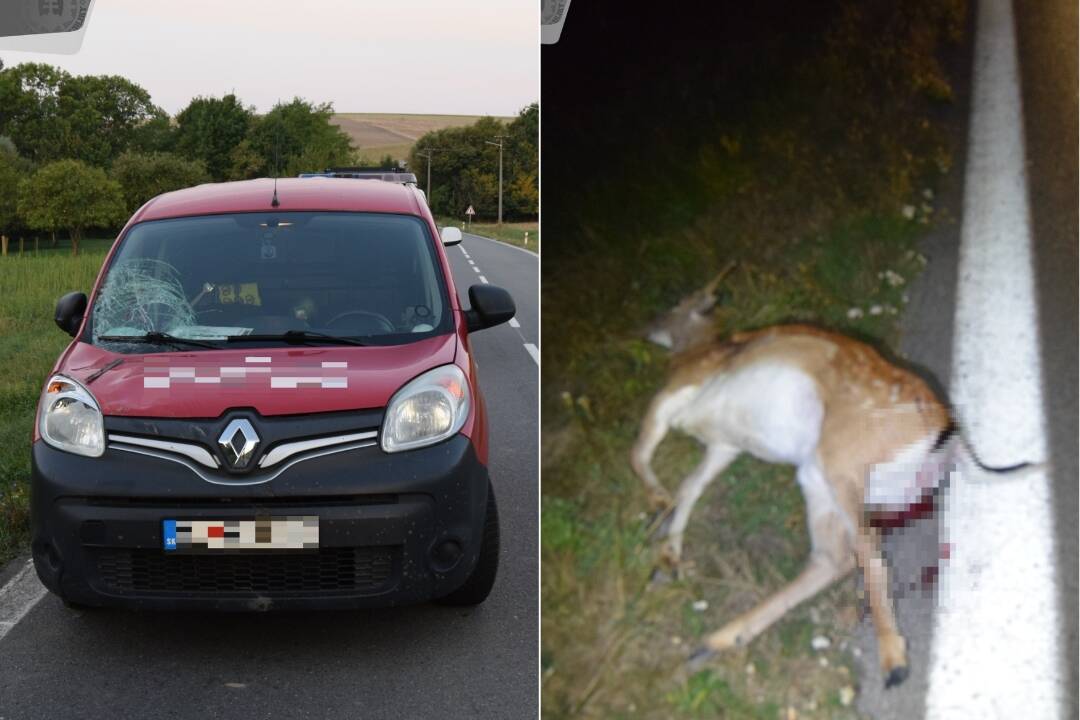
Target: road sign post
(469, 213)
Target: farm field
(378, 134)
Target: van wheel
(478, 586)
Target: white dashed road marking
(19, 596)
(534, 351)
(995, 647)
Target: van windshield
(369, 277)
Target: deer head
(688, 323)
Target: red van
(269, 402)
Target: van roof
(294, 194)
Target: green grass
(513, 233)
(29, 345)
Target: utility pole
(499, 145)
(428, 155)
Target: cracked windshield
(257, 275)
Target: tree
(70, 194)
(465, 170)
(13, 169)
(209, 129)
(99, 116)
(298, 137)
(156, 134)
(50, 114)
(30, 109)
(523, 163)
(143, 176)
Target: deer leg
(654, 427)
(831, 558)
(892, 648)
(717, 458)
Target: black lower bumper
(393, 529)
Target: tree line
(83, 152)
(465, 167)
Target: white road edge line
(531, 254)
(19, 596)
(995, 650)
(483, 279)
(534, 351)
(514, 323)
(475, 269)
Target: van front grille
(362, 570)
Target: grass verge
(29, 345)
(510, 233)
(820, 195)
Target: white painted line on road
(995, 650)
(534, 351)
(514, 323)
(476, 269)
(531, 254)
(19, 596)
(483, 279)
(471, 262)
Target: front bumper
(384, 520)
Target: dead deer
(863, 434)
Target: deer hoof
(670, 557)
(659, 500)
(699, 658)
(896, 676)
(660, 577)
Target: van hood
(272, 381)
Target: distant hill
(379, 134)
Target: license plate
(294, 532)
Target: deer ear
(662, 338)
(710, 296)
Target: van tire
(480, 581)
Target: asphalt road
(417, 662)
(1047, 43)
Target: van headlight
(71, 419)
(430, 408)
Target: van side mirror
(69, 312)
(450, 236)
(490, 306)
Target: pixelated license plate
(293, 532)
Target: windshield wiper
(157, 338)
(295, 337)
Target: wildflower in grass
(854, 313)
(876, 309)
(908, 212)
(894, 278)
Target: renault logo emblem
(238, 443)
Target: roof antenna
(274, 202)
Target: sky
(454, 57)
